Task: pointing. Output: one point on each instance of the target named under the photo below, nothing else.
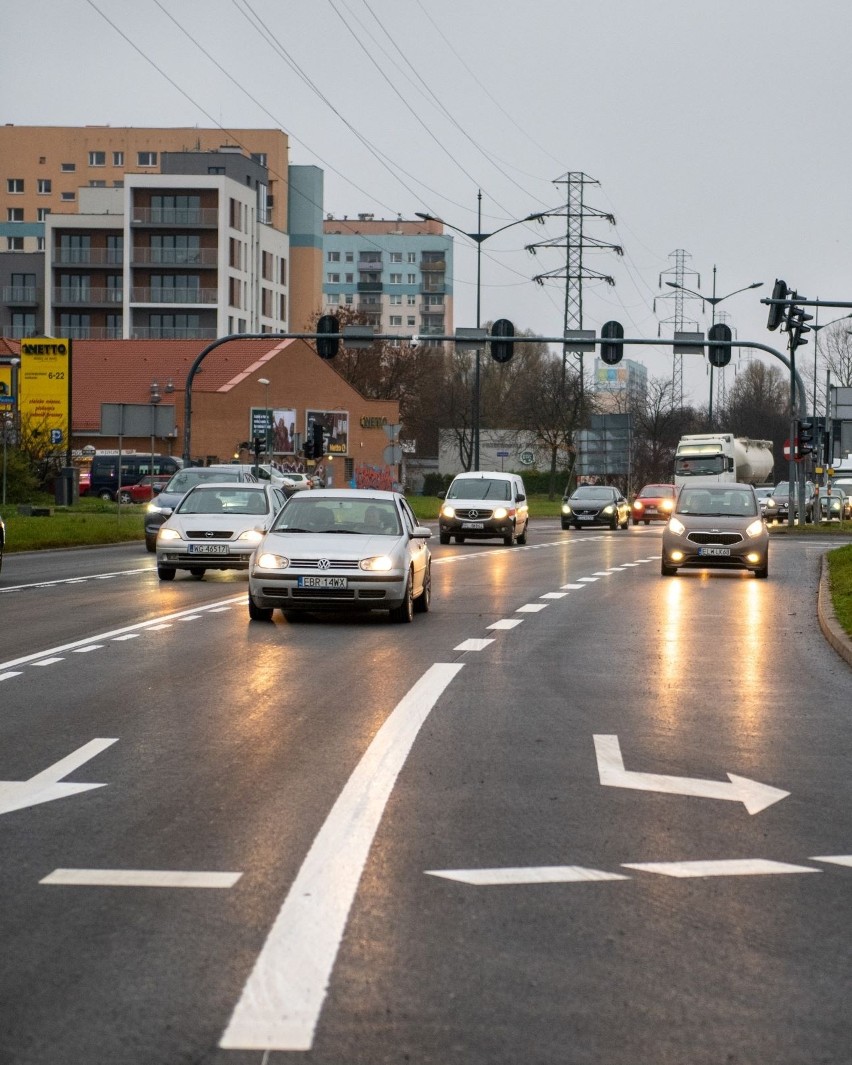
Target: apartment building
(50, 170)
(396, 272)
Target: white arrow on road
(752, 794)
(48, 785)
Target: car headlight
(168, 534)
(377, 564)
(638, 506)
(500, 513)
(771, 504)
(269, 560)
(608, 509)
(677, 527)
(755, 529)
(252, 535)
(566, 509)
(667, 504)
(448, 512)
(155, 508)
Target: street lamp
(479, 239)
(265, 382)
(815, 328)
(713, 301)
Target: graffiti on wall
(380, 477)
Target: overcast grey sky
(717, 128)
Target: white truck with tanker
(714, 458)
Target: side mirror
(520, 497)
(442, 495)
(421, 533)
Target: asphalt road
(503, 835)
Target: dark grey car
(161, 506)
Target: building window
(97, 158)
(69, 195)
(334, 256)
(396, 301)
(333, 279)
(44, 186)
(23, 324)
(118, 158)
(282, 307)
(350, 279)
(350, 257)
(434, 301)
(215, 170)
(396, 319)
(146, 158)
(14, 214)
(118, 184)
(76, 326)
(350, 300)
(411, 300)
(396, 256)
(412, 279)
(14, 243)
(396, 279)
(412, 257)
(283, 279)
(68, 168)
(15, 185)
(40, 244)
(259, 157)
(114, 326)
(410, 321)
(266, 302)
(42, 213)
(97, 184)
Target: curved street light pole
(479, 239)
(713, 301)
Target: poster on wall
(336, 426)
(284, 431)
(44, 384)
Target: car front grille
(474, 514)
(328, 563)
(209, 534)
(727, 539)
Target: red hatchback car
(654, 503)
(143, 491)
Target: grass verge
(840, 584)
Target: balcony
(195, 217)
(86, 297)
(205, 296)
(88, 256)
(433, 284)
(370, 266)
(370, 286)
(175, 257)
(20, 295)
(430, 265)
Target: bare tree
(758, 405)
(553, 410)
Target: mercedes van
(480, 506)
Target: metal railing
(174, 216)
(205, 296)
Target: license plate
(714, 551)
(207, 549)
(323, 582)
(584, 517)
(473, 524)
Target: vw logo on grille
(323, 564)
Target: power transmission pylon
(576, 241)
(677, 320)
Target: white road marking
(544, 874)
(138, 627)
(190, 617)
(89, 647)
(599, 573)
(531, 608)
(10, 674)
(751, 793)
(506, 623)
(48, 661)
(553, 595)
(157, 878)
(76, 580)
(282, 999)
(47, 785)
(731, 867)
(468, 645)
(587, 580)
(835, 859)
(573, 587)
(127, 636)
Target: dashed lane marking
(468, 645)
(146, 878)
(506, 623)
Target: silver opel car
(716, 526)
(342, 550)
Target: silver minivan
(480, 506)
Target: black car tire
(444, 538)
(522, 539)
(197, 572)
(404, 613)
(667, 571)
(566, 525)
(647, 521)
(151, 545)
(424, 600)
(614, 524)
(459, 539)
(258, 613)
(166, 573)
(763, 572)
(509, 538)
(106, 495)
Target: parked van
(481, 506)
(104, 481)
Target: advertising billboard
(335, 424)
(44, 384)
(7, 398)
(278, 425)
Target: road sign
(392, 454)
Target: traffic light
(718, 355)
(805, 433)
(776, 310)
(612, 353)
(796, 326)
(319, 441)
(309, 442)
(502, 349)
(257, 447)
(327, 347)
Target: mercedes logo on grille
(323, 564)
(474, 514)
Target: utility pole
(680, 292)
(576, 241)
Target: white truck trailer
(713, 458)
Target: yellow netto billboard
(44, 386)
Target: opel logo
(210, 534)
(323, 564)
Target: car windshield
(657, 491)
(218, 500)
(717, 503)
(337, 514)
(183, 480)
(480, 488)
(593, 491)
